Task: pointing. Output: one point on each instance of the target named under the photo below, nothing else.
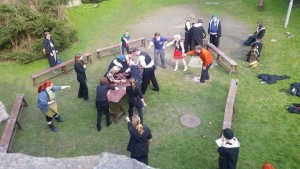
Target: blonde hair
(177, 36)
(136, 122)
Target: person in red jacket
(207, 59)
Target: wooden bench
(117, 48)
(229, 108)
(223, 58)
(12, 123)
(63, 66)
(261, 5)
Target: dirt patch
(170, 21)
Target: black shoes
(58, 119)
(53, 128)
(108, 124)
(155, 89)
(98, 127)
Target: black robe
(197, 34)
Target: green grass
(267, 132)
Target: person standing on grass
(50, 49)
(146, 63)
(179, 50)
(188, 25)
(135, 98)
(102, 104)
(47, 102)
(140, 139)
(214, 31)
(80, 69)
(228, 150)
(197, 34)
(207, 59)
(124, 42)
(159, 43)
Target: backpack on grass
(295, 89)
(294, 108)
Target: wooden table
(115, 96)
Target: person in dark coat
(215, 31)
(228, 150)
(102, 101)
(80, 69)
(135, 73)
(257, 35)
(188, 25)
(140, 138)
(50, 49)
(197, 34)
(145, 62)
(135, 98)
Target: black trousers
(250, 40)
(186, 41)
(214, 39)
(204, 74)
(83, 91)
(51, 60)
(102, 106)
(123, 46)
(139, 107)
(143, 159)
(148, 74)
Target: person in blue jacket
(47, 102)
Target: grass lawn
(267, 132)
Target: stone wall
(102, 161)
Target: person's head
(47, 35)
(47, 85)
(200, 21)
(122, 58)
(259, 24)
(126, 33)
(132, 82)
(136, 122)
(130, 54)
(228, 134)
(177, 37)
(136, 51)
(78, 58)
(104, 80)
(191, 18)
(198, 48)
(214, 18)
(157, 35)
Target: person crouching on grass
(179, 50)
(135, 98)
(140, 138)
(207, 59)
(102, 101)
(47, 102)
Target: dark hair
(135, 50)
(104, 80)
(198, 47)
(130, 52)
(260, 24)
(156, 34)
(44, 86)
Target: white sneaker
(185, 69)
(175, 68)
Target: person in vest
(179, 50)
(124, 42)
(121, 62)
(135, 99)
(145, 62)
(50, 49)
(47, 102)
(257, 35)
(140, 139)
(80, 69)
(197, 34)
(102, 103)
(214, 31)
(159, 43)
(135, 73)
(229, 150)
(207, 59)
(188, 24)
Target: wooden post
(288, 14)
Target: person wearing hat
(80, 69)
(197, 34)
(228, 150)
(188, 25)
(214, 31)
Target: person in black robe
(197, 34)
(80, 69)
(257, 35)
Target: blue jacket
(43, 99)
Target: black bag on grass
(294, 108)
(295, 89)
